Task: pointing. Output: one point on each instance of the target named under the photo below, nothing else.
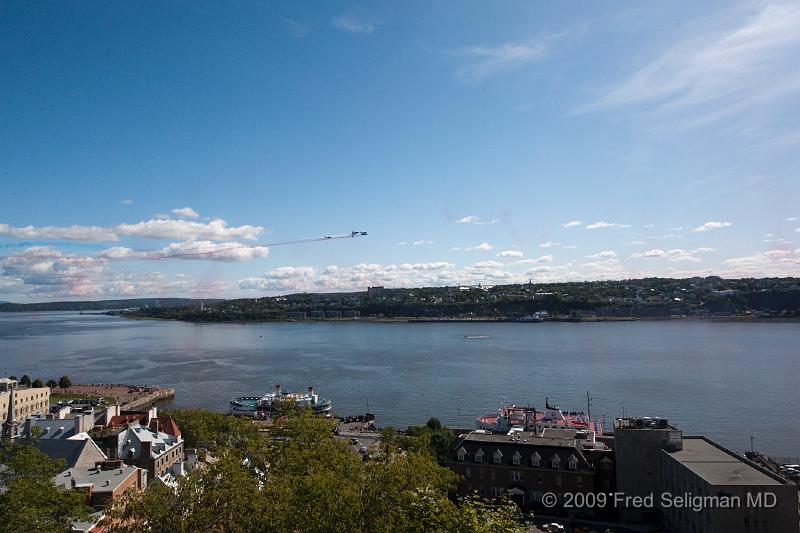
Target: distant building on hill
(374, 292)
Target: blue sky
(157, 148)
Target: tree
(300, 478)
(37, 383)
(25, 380)
(52, 383)
(12, 377)
(32, 501)
(64, 382)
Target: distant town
(649, 298)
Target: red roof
(167, 425)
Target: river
(726, 380)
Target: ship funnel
(277, 389)
(311, 391)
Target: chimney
(146, 449)
(151, 414)
(154, 424)
(277, 389)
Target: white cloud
(351, 24)
(117, 252)
(126, 201)
(603, 255)
(215, 230)
(676, 254)
(422, 242)
(473, 219)
(728, 70)
(44, 273)
(71, 233)
(550, 244)
(482, 247)
(572, 223)
(484, 61)
(185, 212)
(536, 260)
(790, 219)
(229, 252)
(510, 253)
(487, 264)
(604, 224)
(712, 225)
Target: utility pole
(752, 449)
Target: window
(516, 458)
(516, 475)
(497, 492)
(555, 462)
(497, 456)
(479, 456)
(461, 453)
(572, 462)
(535, 459)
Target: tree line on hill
(650, 297)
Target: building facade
(525, 466)
(696, 484)
(27, 400)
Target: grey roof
(520, 438)
(95, 477)
(718, 466)
(53, 429)
(68, 450)
(137, 434)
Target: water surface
(724, 380)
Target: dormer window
(535, 459)
(555, 462)
(516, 458)
(572, 462)
(461, 453)
(497, 456)
(479, 456)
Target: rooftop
(520, 437)
(718, 466)
(99, 479)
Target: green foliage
(213, 430)
(52, 383)
(37, 383)
(436, 437)
(25, 380)
(64, 382)
(301, 479)
(32, 501)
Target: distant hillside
(4, 302)
(612, 299)
(104, 305)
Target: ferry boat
(517, 418)
(264, 405)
